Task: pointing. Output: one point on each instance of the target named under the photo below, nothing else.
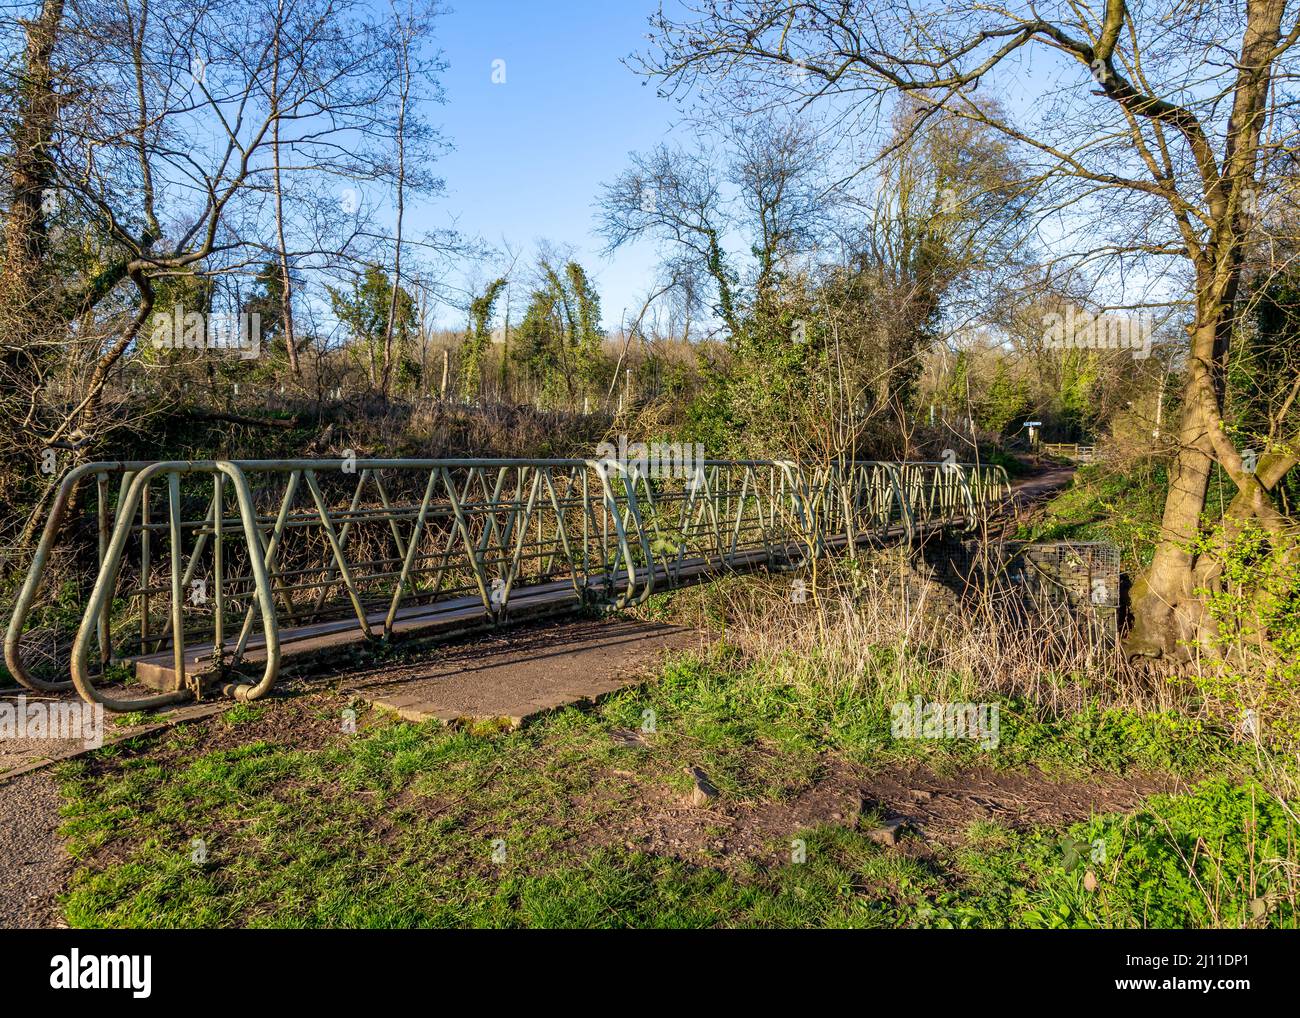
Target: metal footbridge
(208, 573)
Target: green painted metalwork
(393, 543)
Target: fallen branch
(256, 422)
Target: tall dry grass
(884, 628)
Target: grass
(275, 815)
(302, 824)
(722, 701)
(243, 714)
(1124, 508)
(1214, 857)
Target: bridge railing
(203, 566)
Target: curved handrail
(102, 593)
(36, 571)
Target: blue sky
(531, 154)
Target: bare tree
(676, 195)
(1154, 155)
(148, 135)
(286, 277)
(406, 32)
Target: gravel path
(32, 863)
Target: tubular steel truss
(207, 566)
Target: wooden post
(446, 361)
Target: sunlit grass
(421, 825)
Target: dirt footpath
(33, 865)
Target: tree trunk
(286, 282)
(31, 179)
(1168, 615)
(400, 138)
(1166, 612)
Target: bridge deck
(446, 618)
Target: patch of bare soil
(936, 810)
(941, 808)
(308, 722)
